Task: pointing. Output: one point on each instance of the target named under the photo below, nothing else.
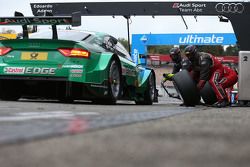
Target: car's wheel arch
(147, 97)
(143, 76)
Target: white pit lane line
(24, 116)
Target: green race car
(70, 65)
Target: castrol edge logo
(14, 70)
(29, 70)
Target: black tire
(243, 103)
(208, 95)
(9, 91)
(150, 92)
(186, 88)
(114, 82)
(67, 100)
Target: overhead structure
(237, 12)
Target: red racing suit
(229, 79)
(207, 68)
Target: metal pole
(128, 28)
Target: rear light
(4, 50)
(74, 52)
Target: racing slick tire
(67, 100)
(150, 92)
(186, 88)
(9, 91)
(208, 95)
(114, 83)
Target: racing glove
(168, 76)
(201, 84)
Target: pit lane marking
(24, 116)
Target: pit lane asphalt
(164, 134)
(45, 119)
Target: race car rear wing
(19, 19)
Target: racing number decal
(245, 58)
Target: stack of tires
(187, 89)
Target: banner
(141, 41)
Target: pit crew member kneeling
(205, 67)
(178, 61)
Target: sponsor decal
(29, 70)
(72, 66)
(76, 71)
(76, 75)
(188, 7)
(135, 56)
(230, 8)
(18, 21)
(38, 70)
(14, 70)
(196, 39)
(10, 56)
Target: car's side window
(108, 44)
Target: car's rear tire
(66, 100)
(208, 95)
(9, 91)
(186, 88)
(114, 82)
(149, 94)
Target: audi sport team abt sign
(199, 8)
(139, 8)
(190, 7)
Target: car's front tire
(149, 94)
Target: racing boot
(221, 104)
